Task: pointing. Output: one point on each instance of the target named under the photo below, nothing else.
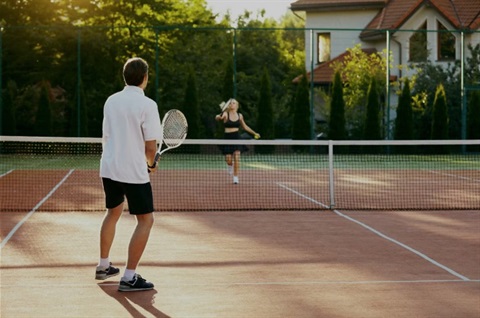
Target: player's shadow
(144, 299)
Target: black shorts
(139, 196)
(230, 149)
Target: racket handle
(157, 157)
(155, 160)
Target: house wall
(345, 28)
(402, 37)
(353, 20)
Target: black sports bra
(232, 124)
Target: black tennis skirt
(230, 149)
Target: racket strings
(174, 129)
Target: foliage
(372, 120)
(473, 123)
(227, 93)
(265, 121)
(256, 50)
(404, 119)
(440, 115)
(428, 77)
(8, 111)
(190, 107)
(473, 75)
(228, 90)
(78, 110)
(472, 61)
(88, 41)
(301, 129)
(336, 124)
(357, 71)
(43, 120)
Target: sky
(274, 8)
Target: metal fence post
(79, 79)
(1, 84)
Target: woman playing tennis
(232, 121)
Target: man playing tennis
(131, 128)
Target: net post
(330, 174)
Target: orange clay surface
(248, 264)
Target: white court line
(29, 214)
(292, 283)
(454, 176)
(425, 257)
(4, 174)
(303, 196)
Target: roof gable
(323, 74)
(462, 14)
(335, 5)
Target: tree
(228, 87)
(372, 119)
(9, 124)
(357, 70)
(265, 125)
(66, 41)
(190, 107)
(227, 93)
(43, 122)
(474, 118)
(336, 126)
(79, 115)
(440, 115)
(301, 129)
(440, 118)
(404, 120)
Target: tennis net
(61, 174)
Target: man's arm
(150, 151)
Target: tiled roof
(313, 5)
(323, 74)
(462, 14)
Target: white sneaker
(230, 169)
(235, 179)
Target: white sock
(104, 262)
(128, 275)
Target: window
(323, 40)
(446, 44)
(418, 45)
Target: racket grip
(157, 157)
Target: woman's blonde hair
(225, 105)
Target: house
(412, 30)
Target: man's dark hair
(134, 71)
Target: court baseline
(39, 204)
(386, 237)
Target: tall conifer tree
(43, 120)
(336, 126)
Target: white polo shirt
(129, 119)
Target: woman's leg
(236, 165)
(228, 159)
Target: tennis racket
(175, 127)
(224, 105)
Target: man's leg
(107, 231)
(107, 235)
(131, 281)
(139, 239)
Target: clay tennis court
(272, 246)
(326, 263)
